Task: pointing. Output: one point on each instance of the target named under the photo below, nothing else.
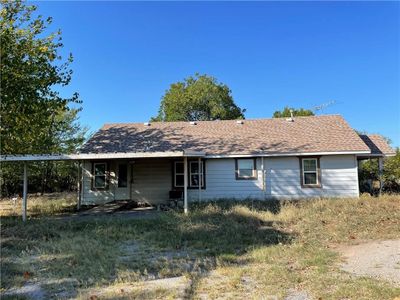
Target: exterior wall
(221, 182)
(339, 178)
(150, 180)
(92, 196)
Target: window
(196, 173)
(99, 175)
(123, 175)
(246, 168)
(179, 174)
(310, 172)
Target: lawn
(223, 249)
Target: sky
(270, 54)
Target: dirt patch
(171, 288)
(30, 290)
(378, 259)
(297, 295)
(58, 289)
(167, 262)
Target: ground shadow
(273, 206)
(173, 244)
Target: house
(292, 158)
(281, 158)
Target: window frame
(237, 171)
(201, 172)
(317, 172)
(118, 179)
(181, 174)
(190, 187)
(94, 187)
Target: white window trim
(175, 173)
(200, 173)
(310, 172)
(105, 175)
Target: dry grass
(227, 249)
(46, 205)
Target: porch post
(25, 193)
(370, 181)
(79, 185)
(263, 175)
(200, 177)
(185, 184)
(380, 167)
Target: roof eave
(280, 154)
(90, 156)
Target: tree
(35, 118)
(285, 113)
(31, 71)
(369, 171)
(391, 173)
(198, 98)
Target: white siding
(221, 182)
(152, 180)
(339, 178)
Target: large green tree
(32, 73)
(198, 98)
(297, 112)
(35, 117)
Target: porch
(149, 181)
(105, 184)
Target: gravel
(378, 259)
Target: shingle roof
(377, 144)
(327, 133)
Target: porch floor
(123, 208)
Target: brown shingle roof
(377, 144)
(328, 133)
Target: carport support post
(185, 184)
(25, 193)
(380, 167)
(79, 186)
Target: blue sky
(271, 54)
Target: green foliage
(35, 118)
(391, 173)
(285, 113)
(198, 98)
(31, 70)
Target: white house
(259, 159)
(281, 158)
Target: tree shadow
(179, 137)
(172, 245)
(272, 205)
